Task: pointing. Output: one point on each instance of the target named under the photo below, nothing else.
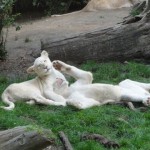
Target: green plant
(6, 19)
(3, 52)
(57, 7)
(135, 12)
(27, 40)
(53, 6)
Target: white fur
(135, 91)
(37, 90)
(96, 5)
(83, 94)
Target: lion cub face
(42, 65)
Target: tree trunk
(25, 138)
(125, 41)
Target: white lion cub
(39, 89)
(84, 94)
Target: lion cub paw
(75, 104)
(61, 66)
(147, 102)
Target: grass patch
(130, 129)
(27, 40)
(135, 12)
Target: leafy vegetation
(6, 19)
(49, 6)
(135, 12)
(130, 129)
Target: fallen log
(121, 42)
(25, 138)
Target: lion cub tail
(7, 100)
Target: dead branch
(147, 7)
(138, 107)
(101, 139)
(131, 106)
(143, 8)
(65, 141)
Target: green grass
(130, 129)
(135, 12)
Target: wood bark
(23, 138)
(123, 42)
(65, 141)
(101, 139)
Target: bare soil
(24, 46)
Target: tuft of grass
(27, 40)
(130, 129)
(135, 12)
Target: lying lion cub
(96, 5)
(39, 90)
(83, 94)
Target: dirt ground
(24, 46)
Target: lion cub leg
(81, 76)
(80, 101)
(146, 101)
(30, 102)
(83, 103)
(108, 101)
(42, 100)
(130, 83)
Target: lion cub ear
(30, 69)
(44, 53)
